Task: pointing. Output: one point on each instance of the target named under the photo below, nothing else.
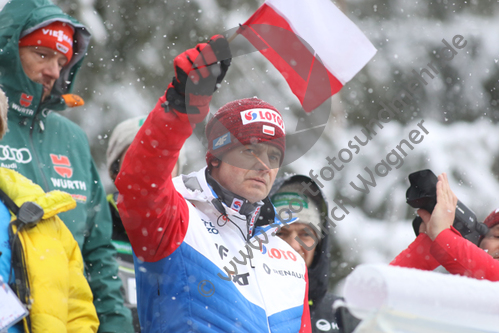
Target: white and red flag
(312, 43)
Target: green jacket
(54, 152)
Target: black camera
(423, 194)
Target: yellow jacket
(60, 294)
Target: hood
(17, 19)
(318, 272)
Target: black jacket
(321, 312)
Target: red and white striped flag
(312, 43)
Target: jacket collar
(195, 188)
(232, 200)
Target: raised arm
(154, 214)
(460, 256)
(148, 202)
(418, 254)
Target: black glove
(198, 73)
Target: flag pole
(234, 35)
(231, 38)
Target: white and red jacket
(455, 253)
(195, 271)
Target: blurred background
(129, 65)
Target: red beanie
(492, 219)
(57, 35)
(242, 122)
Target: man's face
(248, 171)
(302, 239)
(42, 65)
(491, 242)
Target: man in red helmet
(206, 254)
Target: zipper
(35, 154)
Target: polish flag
(312, 43)
(269, 130)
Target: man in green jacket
(41, 50)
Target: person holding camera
(439, 243)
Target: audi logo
(21, 155)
